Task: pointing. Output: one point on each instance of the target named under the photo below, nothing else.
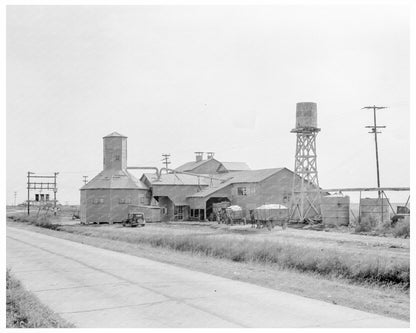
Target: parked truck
(134, 219)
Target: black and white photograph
(208, 165)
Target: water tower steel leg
(306, 169)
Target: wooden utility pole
(15, 195)
(85, 180)
(28, 192)
(55, 189)
(375, 132)
(166, 161)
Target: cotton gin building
(107, 197)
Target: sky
(180, 79)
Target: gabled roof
(189, 166)
(235, 166)
(114, 179)
(176, 179)
(251, 176)
(115, 134)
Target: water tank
(375, 210)
(306, 115)
(335, 210)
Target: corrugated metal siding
(103, 205)
(252, 176)
(274, 189)
(178, 194)
(83, 207)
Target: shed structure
(248, 189)
(106, 198)
(171, 191)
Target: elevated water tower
(305, 202)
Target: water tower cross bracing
(305, 190)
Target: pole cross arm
(375, 107)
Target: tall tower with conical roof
(108, 196)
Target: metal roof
(115, 134)
(189, 166)
(235, 166)
(251, 176)
(272, 206)
(176, 179)
(114, 179)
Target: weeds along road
(92, 287)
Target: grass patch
(402, 229)
(369, 226)
(23, 309)
(40, 221)
(388, 300)
(324, 261)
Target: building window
(142, 200)
(117, 157)
(36, 197)
(178, 212)
(286, 198)
(97, 201)
(197, 214)
(242, 191)
(124, 200)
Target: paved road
(92, 287)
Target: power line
(374, 130)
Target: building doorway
(180, 213)
(196, 215)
